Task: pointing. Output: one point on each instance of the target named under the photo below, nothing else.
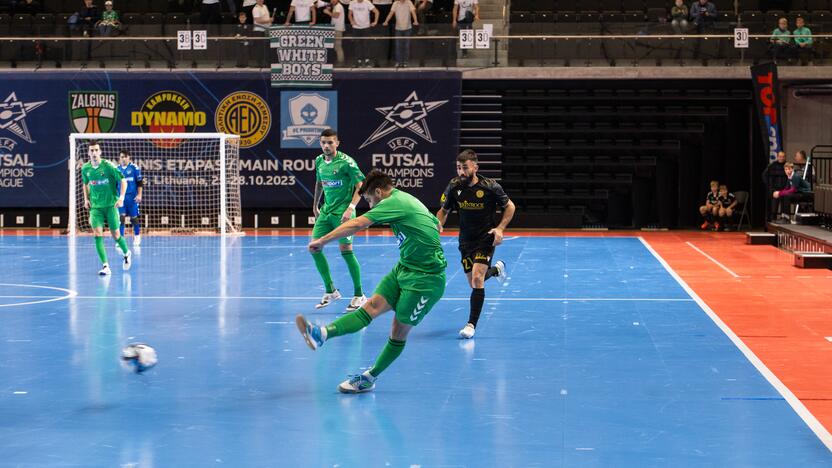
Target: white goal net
(191, 180)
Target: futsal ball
(139, 356)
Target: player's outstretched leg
(113, 222)
(316, 335)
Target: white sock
(369, 376)
(323, 333)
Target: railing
(821, 160)
(438, 49)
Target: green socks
(99, 247)
(391, 351)
(323, 269)
(355, 271)
(122, 244)
(349, 323)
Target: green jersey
(338, 178)
(416, 228)
(804, 36)
(105, 183)
(781, 36)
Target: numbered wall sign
(466, 38)
(200, 40)
(741, 38)
(482, 39)
(183, 40)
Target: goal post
(191, 180)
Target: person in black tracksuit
(476, 199)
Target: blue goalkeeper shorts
(130, 208)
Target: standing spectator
(336, 11)
(210, 12)
(404, 11)
(679, 15)
(422, 9)
(703, 14)
(774, 179)
(304, 12)
(727, 203)
(262, 20)
(28, 7)
(781, 41)
(465, 12)
(711, 206)
(248, 6)
(360, 21)
(803, 41)
(796, 190)
(88, 17)
(801, 167)
(109, 23)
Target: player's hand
(347, 215)
(86, 204)
(119, 203)
(441, 228)
(138, 199)
(776, 194)
(498, 236)
(315, 246)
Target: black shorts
(482, 252)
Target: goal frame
(72, 222)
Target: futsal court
(671, 349)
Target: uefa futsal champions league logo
(13, 113)
(410, 114)
(304, 116)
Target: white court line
(798, 406)
(715, 261)
(67, 294)
(309, 298)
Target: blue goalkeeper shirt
(133, 175)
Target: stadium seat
(44, 24)
(136, 6)
(160, 6)
(53, 6)
(610, 5)
(817, 5)
(21, 25)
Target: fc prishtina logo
(304, 116)
(92, 111)
(409, 114)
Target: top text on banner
(302, 56)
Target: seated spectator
(727, 203)
(679, 16)
(781, 41)
(774, 179)
(797, 190)
(711, 206)
(335, 11)
(87, 17)
(28, 7)
(109, 24)
(803, 41)
(703, 14)
(404, 11)
(262, 20)
(304, 12)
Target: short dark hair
(802, 153)
(124, 152)
(375, 179)
(329, 133)
(93, 143)
(467, 155)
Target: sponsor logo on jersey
(466, 205)
(93, 111)
(100, 182)
(244, 114)
(480, 194)
(168, 112)
(332, 183)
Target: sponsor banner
(302, 56)
(304, 115)
(407, 125)
(767, 98)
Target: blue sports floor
(591, 355)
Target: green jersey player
(104, 189)
(411, 289)
(338, 179)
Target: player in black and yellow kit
(476, 199)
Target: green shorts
(412, 294)
(326, 223)
(99, 216)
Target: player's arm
(319, 190)
(446, 204)
(442, 216)
(121, 192)
(139, 185)
(345, 230)
(508, 213)
(356, 197)
(289, 15)
(314, 15)
(375, 15)
(86, 196)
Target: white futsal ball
(139, 356)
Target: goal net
(191, 180)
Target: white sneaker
(128, 261)
(137, 240)
(328, 299)
(356, 302)
(104, 271)
(501, 271)
(358, 383)
(467, 331)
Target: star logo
(13, 115)
(409, 114)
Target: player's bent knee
(376, 306)
(345, 247)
